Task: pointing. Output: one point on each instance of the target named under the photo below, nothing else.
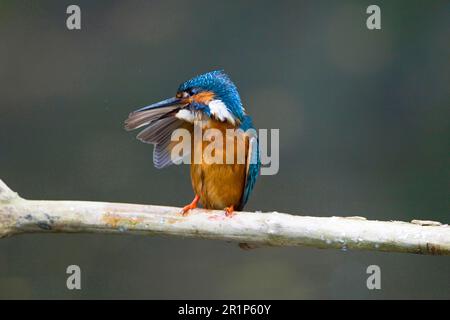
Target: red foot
(229, 211)
(190, 206)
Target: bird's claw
(229, 211)
(185, 211)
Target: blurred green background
(364, 130)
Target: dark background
(364, 130)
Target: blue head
(214, 95)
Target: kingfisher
(208, 101)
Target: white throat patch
(220, 111)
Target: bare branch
(18, 216)
(6, 194)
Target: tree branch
(18, 216)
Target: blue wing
(253, 161)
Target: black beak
(162, 104)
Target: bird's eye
(182, 94)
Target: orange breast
(219, 185)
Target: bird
(211, 101)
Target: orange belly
(219, 185)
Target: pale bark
(18, 215)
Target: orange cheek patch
(203, 97)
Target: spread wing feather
(138, 119)
(160, 124)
